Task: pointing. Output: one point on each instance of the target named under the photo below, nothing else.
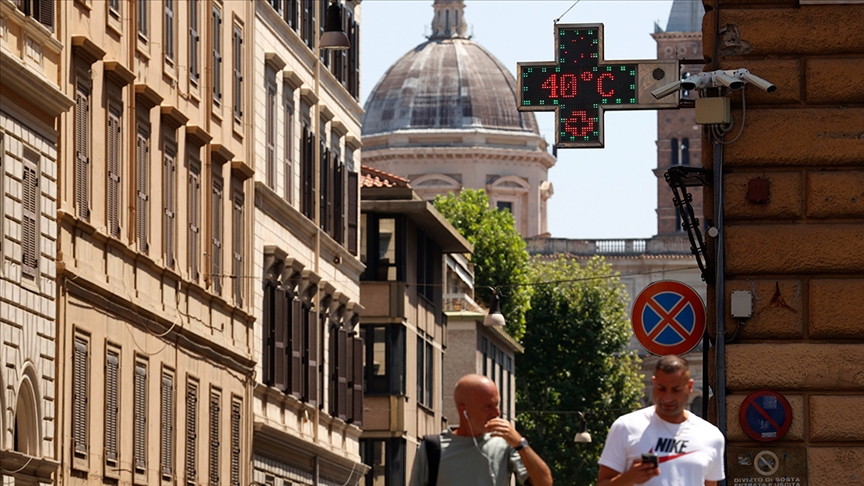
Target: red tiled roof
(370, 177)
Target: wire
(565, 12)
(6, 471)
(723, 132)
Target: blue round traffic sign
(668, 318)
(765, 415)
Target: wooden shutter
(29, 226)
(342, 378)
(238, 73)
(271, 136)
(352, 203)
(45, 14)
(311, 365)
(235, 443)
(140, 421)
(194, 41)
(79, 398)
(238, 230)
(168, 190)
(357, 383)
(191, 431)
(194, 218)
(281, 315)
(306, 176)
(114, 173)
(166, 439)
(296, 337)
(324, 181)
(339, 203)
(216, 244)
(82, 150)
(214, 439)
(142, 184)
(289, 151)
(112, 408)
(168, 48)
(217, 54)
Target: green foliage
(500, 258)
(575, 360)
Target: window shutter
(216, 251)
(214, 439)
(351, 211)
(140, 421)
(167, 436)
(142, 18)
(194, 41)
(194, 218)
(310, 173)
(238, 73)
(112, 409)
(79, 398)
(114, 173)
(29, 213)
(339, 203)
(168, 183)
(311, 329)
(271, 136)
(342, 356)
(235, 443)
(191, 432)
(142, 153)
(296, 347)
(168, 48)
(217, 54)
(357, 383)
(289, 152)
(82, 160)
(324, 181)
(46, 13)
(238, 230)
(282, 301)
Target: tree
(500, 259)
(575, 360)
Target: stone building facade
(31, 100)
(155, 369)
(800, 251)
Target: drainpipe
(719, 296)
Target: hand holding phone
(650, 458)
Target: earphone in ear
(465, 413)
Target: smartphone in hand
(650, 458)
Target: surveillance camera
(664, 91)
(727, 80)
(698, 81)
(760, 83)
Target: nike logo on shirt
(672, 456)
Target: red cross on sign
(668, 318)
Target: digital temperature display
(579, 86)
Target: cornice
(32, 85)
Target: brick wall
(801, 254)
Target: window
(308, 31)
(352, 203)
(112, 411)
(82, 149)
(169, 182)
(142, 19)
(139, 442)
(292, 13)
(310, 354)
(385, 255)
(216, 242)
(236, 406)
(80, 395)
(194, 193)
(238, 72)
(354, 61)
(238, 229)
(289, 144)
(425, 369)
(355, 387)
(166, 439)
(276, 4)
(484, 349)
(426, 261)
(30, 217)
(114, 9)
(278, 328)
(674, 149)
(685, 151)
(169, 29)
(325, 165)
(213, 453)
(142, 164)
(505, 206)
(339, 343)
(41, 10)
(384, 359)
(194, 42)
(217, 55)
(115, 151)
(307, 173)
(386, 460)
(191, 432)
(323, 54)
(270, 128)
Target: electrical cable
(477, 446)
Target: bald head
(476, 400)
(470, 386)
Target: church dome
(447, 83)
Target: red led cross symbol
(579, 86)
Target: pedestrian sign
(668, 318)
(765, 415)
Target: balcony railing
(675, 245)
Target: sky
(599, 193)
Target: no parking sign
(765, 415)
(668, 318)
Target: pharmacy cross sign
(581, 85)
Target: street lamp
(334, 38)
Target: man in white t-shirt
(688, 450)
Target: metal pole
(719, 297)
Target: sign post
(580, 85)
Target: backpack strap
(433, 456)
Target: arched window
(447, 22)
(674, 148)
(26, 433)
(685, 151)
